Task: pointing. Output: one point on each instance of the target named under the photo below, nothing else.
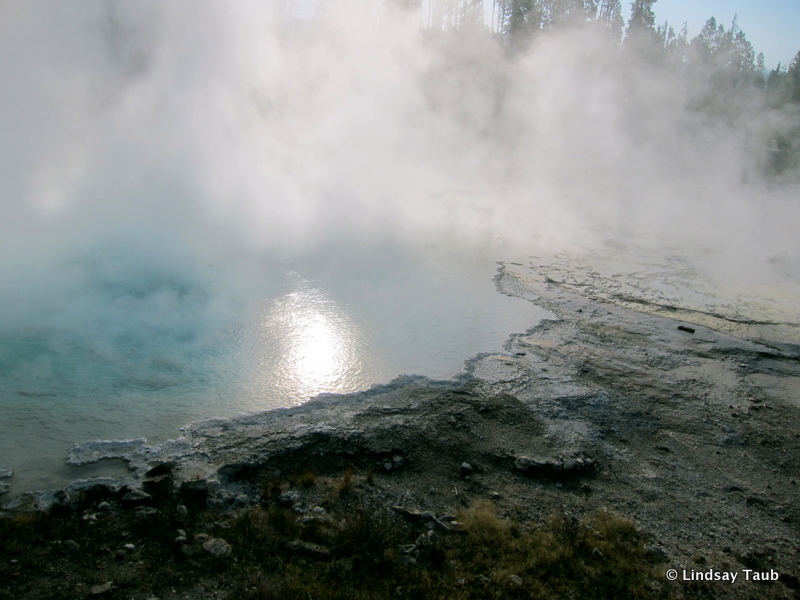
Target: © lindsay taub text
(714, 575)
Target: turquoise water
(122, 342)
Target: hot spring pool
(121, 342)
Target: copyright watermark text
(716, 575)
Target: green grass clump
(601, 556)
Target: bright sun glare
(316, 343)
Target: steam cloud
(146, 133)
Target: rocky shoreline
(655, 413)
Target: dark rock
(136, 498)
(97, 490)
(159, 486)
(71, 546)
(161, 468)
(405, 560)
(145, 512)
(686, 328)
(300, 509)
(237, 471)
(288, 499)
(195, 493)
(408, 513)
(553, 467)
(655, 554)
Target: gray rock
(408, 549)
(515, 580)
(528, 464)
(136, 498)
(217, 547)
(161, 468)
(92, 451)
(308, 549)
(94, 489)
(406, 561)
(553, 467)
(655, 554)
(145, 512)
(104, 506)
(4, 488)
(300, 509)
(409, 513)
(71, 546)
(466, 469)
(6, 473)
(289, 498)
(99, 590)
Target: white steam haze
(210, 121)
(192, 144)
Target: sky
(772, 26)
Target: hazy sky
(772, 26)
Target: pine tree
(642, 33)
(610, 13)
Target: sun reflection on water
(313, 345)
